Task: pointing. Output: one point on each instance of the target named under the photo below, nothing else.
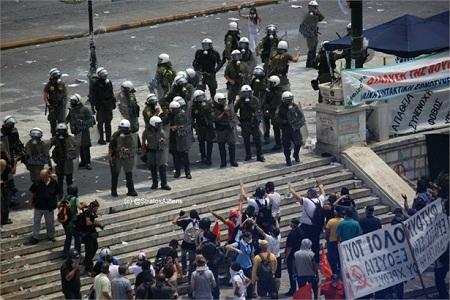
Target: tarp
(442, 17)
(406, 36)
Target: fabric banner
(419, 111)
(428, 234)
(375, 261)
(365, 85)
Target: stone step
(10, 244)
(310, 161)
(53, 253)
(53, 287)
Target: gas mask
(257, 80)
(243, 50)
(246, 96)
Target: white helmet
(271, 29)
(199, 95)
(233, 26)
(174, 105)
(36, 133)
(190, 73)
(155, 120)
(282, 45)
(180, 80)
(54, 73)
(61, 126)
(104, 252)
(313, 3)
(125, 124)
(101, 73)
(163, 58)
(287, 97)
(246, 88)
(246, 92)
(243, 41)
(323, 43)
(274, 80)
(349, 26)
(127, 85)
(207, 44)
(179, 100)
(181, 74)
(220, 98)
(9, 120)
(75, 100)
(259, 72)
(236, 55)
(151, 99)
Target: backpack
(264, 271)
(264, 217)
(318, 217)
(64, 212)
(191, 232)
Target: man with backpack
(67, 215)
(191, 230)
(264, 268)
(263, 208)
(313, 218)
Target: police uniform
(103, 100)
(36, 157)
(291, 119)
(225, 124)
(279, 66)
(238, 73)
(203, 122)
(310, 31)
(14, 151)
(124, 148)
(164, 76)
(63, 154)
(129, 109)
(272, 101)
(150, 111)
(249, 58)
(157, 151)
(56, 94)
(208, 64)
(266, 47)
(323, 68)
(80, 120)
(180, 141)
(250, 116)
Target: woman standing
(254, 21)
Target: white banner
(419, 111)
(428, 234)
(375, 261)
(365, 85)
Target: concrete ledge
(136, 24)
(377, 175)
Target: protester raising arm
(297, 197)
(218, 217)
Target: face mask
(247, 100)
(34, 141)
(184, 89)
(205, 52)
(257, 80)
(238, 62)
(243, 51)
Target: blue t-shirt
(348, 229)
(245, 258)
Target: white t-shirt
(101, 284)
(262, 202)
(309, 207)
(238, 279)
(274, 244)
(275, 201)
(113, 271)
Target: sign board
(385, 83)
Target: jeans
(189, 254)
(302, 280)
(216, 290)
(49, 222)
(70, 232)
(290, 268)
(333, 257)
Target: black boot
(176, 164)
(154, 177)
(101, 141)
(201, 147)
(209, 148)
(259, 156)
(297, 153)
(163, 176)
(232, 152)
(287, 155)
(114, 182)
(248, 149)
(277, 136)
(223, 155)
(187, 165)
(130, 184)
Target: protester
(163, 289)
(306, 267)
(231, 222)
(70, 276)
(274, 241)
(239, 282)
(332, 243)
(147, 275)
(293, 243)
(370, 223)
(6, 170)
(121, 286)
(263, 272)
(345, 201)
(202, 280)
(254, 23)
(274, 200)
(170, 251)
(348, 228)
(136, 265)
(102, 284)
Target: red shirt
(231, 227)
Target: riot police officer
(152, 108)
(194, 79)
(123, 149)
(271, 103)
(207, 62)
(128, 106)
(279, 64)
(235, 74)
(182, 88)
(155, 145)
(268, 44)
(231, 41)
(13, 147)
(247, 56)
(225, 124)
(325, 63)
(164, 76)
(103, 102)
(81, 120)
(203, 123)
(180, 139)
(63, 153)
(55, 98)
(250, 116)
(291, 119)
(308, 28)
(36, 154)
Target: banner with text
(365, 85)
(419, 111)
(428, 234)
(375, 261)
